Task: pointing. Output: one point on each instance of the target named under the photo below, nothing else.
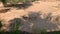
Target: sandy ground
(39, 12)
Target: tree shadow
(39, 23)
(0, 24)
(33, 22)
(20, 6)
(14, 26)
(15, 32)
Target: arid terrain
(39, 15)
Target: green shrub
(43, 31)
(39, 31)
